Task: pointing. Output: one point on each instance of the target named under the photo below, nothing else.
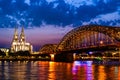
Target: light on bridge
(52, 56)
(101, 42)
(90, 52)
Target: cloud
(49, 1)
(109, 18)
(27, 1)
(78, 3)
(61, 12)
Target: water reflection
(45, 70)
(101, 71)
(82, 70)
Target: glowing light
(101, 42)
(90, 52)
(74, 56)
(52, 56)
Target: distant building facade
(19, 43)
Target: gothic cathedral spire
(15, 38)
(15, 41)
(22, 35)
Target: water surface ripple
(47, 70)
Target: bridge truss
(90, 36)
(48, 49)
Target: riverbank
(25, 59)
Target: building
(5, 50)
(19, 43)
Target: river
(48, 70)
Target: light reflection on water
(45, 70)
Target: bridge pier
(64, 57)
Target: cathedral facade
(19, 43)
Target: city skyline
(64, 15)
(33, 36)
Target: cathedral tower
(22, 35)
(15, 41)
(19, 43)
(15, 37)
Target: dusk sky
(47, 21)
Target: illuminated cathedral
(19, 43)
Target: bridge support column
(64, 57)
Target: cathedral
(19, 43)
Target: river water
(48, 70)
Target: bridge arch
(89, 36)
(48, 49)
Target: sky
(47, 21)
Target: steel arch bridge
(48, 49)
(90, 36)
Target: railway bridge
(88, 38)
